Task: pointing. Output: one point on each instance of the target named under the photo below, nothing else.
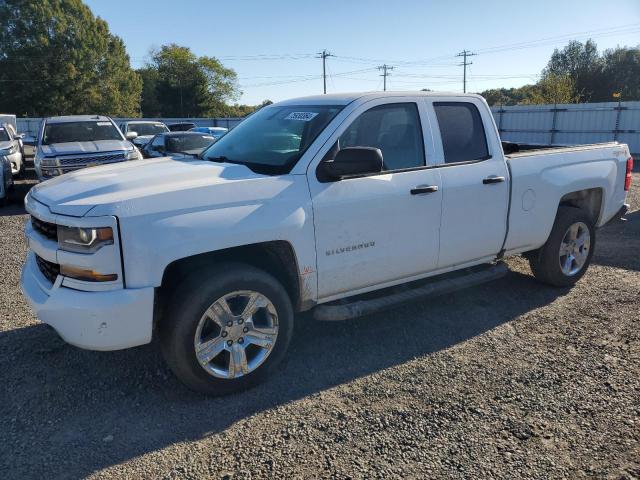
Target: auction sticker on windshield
(302, 116)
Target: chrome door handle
(422, 189)
(492, 179)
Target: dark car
(177, 144)
(181, 127)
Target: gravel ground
(508, 380)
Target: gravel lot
(511, 380)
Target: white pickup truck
(308, 203)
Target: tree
(509, 96)
(553, 89)
(578, 73)
(582, 63)
(243, 110)
(56, 57)
(184, 85)
(621, 74)
(149, 102)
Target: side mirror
(353, 161)
(131, 135)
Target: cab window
(462, 132)
(394, 129)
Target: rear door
(475, 181)
(377, 229)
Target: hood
(142, 140)
(153, 185)
(75, 148)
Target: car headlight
(9, 151)
(84, 240)
(133, 154)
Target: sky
(273, 45)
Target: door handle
(492, 179)
(422, 189)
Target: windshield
(273, 139)
(147, 128)
(189, 143)
(4, 136)
(89, 131)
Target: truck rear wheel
(227, 329)
(566, 255)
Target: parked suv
(70, 143)
(11, 148)
(140, 132)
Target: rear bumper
(110, 320)
(619, 216)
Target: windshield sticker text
(302, 116)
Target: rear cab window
(462, 132)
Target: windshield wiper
(221, 159)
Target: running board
(358, 308)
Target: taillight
(627, 177)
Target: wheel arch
(588, 199)
(277, 258)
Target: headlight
(83, 240)
(9, 151)
(133, 154)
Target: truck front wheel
(225, 330)
(566, 255)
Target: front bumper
(109, 320)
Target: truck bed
(537, 174)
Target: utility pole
(385, 73)
(323, 55)
(464, 54)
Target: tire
(22, 168)
(547, 263)
(185, 324)
(8, 190)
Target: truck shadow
(126, 404)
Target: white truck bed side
(540, 178)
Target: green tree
(553, 89)
(149, 103)
(184, 85)
(582, 63)
(509, 96)
(578, 73)
(621, 74)
(56, 57)
(237, 110)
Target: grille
(75, 162)
(47, 229)
(49, 269)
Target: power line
(464, 54)
(323, 55)
(385, 73)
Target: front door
(378, 229)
